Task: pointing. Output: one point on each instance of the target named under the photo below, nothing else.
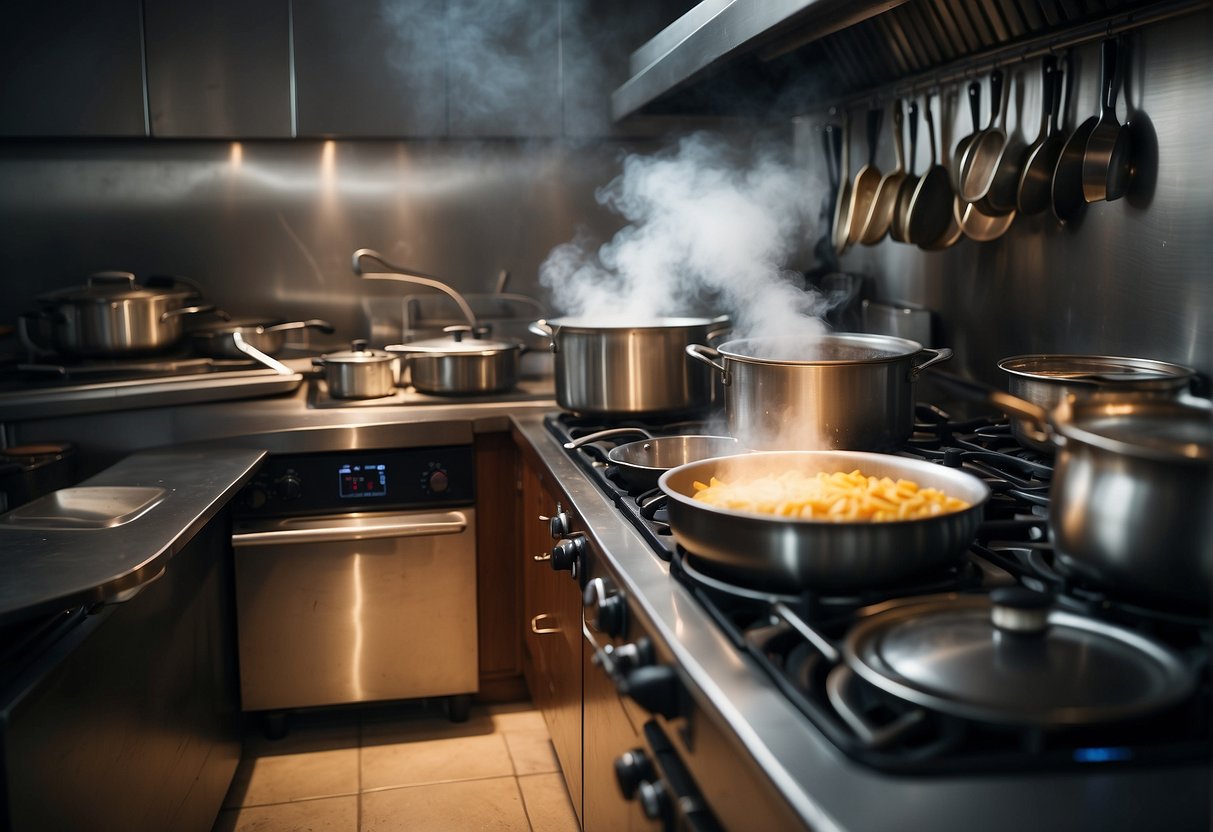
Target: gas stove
(793, 640)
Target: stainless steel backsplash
(269, 227)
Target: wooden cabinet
(552, 654)
(72, 69)
(220, 69)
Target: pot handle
(186, 310)
(605, 434)
(721, 326)
(110, 277)
(314, 323)
(705, 354)
(937, 356)
(26, 337)
(1038, 429)
(543, 329)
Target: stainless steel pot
(113, 316)
(840, 391)
(1047, 380)
(630, 369)
(360, 372)
(458, 366)
(788, 555)
(268, 336)
(1130, 496)
(1131, 486)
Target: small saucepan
(640, 464)
(268, 336)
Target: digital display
(362, 481)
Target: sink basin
(86, 507)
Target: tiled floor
(401, 767)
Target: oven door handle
(356, 527)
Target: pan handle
(314, 323)
(705, 354)
(1038, 427)
(605, 434)
(937, 356)
(543, 329)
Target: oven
(752, 718)
(355, 579)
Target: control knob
(288, 486)
(438, 481)
(256, 496)
(609, 611)
(631, 769)
(566, 554)
(559, 524)
(653, 687)
(654, 799)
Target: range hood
(775, 58)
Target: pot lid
(358, 353)
(107, 287)
(1012, 659)
(1096, 370)
(455, 343)
(610, 322)
(835, 348)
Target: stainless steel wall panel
(219, 69)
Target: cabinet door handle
(540, 631)
(542, 557)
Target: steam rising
(708, 226)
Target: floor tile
(493, 804)
(438, 760)
(547, 803)
(279, 778)
(335, 814)
(531, 751)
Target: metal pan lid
(836, 348)
(455, 344)
(1096, 370)
(358, 353)
(1163, 430)
(1013, 659)
(108, 287)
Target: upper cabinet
(219, 69)
(370, 68)
(72, 68)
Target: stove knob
(609, 612)
(559, 524)
(655, 688)
(288, 486)
(566, 554)
(631, 769)
(633, 655)
(654, 800)
(438, 481)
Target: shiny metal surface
(841, 391)
(50, 570)
(616, 369)
(1128, 507)
(781, 554)
(1048, 380)
(947, 655)
(267, 336)
(751, 741)
(85, 507)
(327, 615)
(641, 463)
(360, 372)
(1129, 279)
(460, 366)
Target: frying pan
(980, 159)
(905, 191)
(867, 180)
(641, 463)
(1068, 201)
(842, 205)
(880, 214)
(1036, 179)
(931, 208)
(978, 225)
(963, 144)
(1105, 165)
(1003, 191)
(268, 336)
(783, 554)
(951, 235)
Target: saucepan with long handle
(642, 462)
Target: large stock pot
(637, 368)
(843, 391)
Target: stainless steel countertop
(48, 570)
(825, 788)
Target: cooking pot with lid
(460, 366)
(630, 367)
(845, 391)
(113, 316)
(359, 372)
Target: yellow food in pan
(839, 497)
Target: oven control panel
(362, 480)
